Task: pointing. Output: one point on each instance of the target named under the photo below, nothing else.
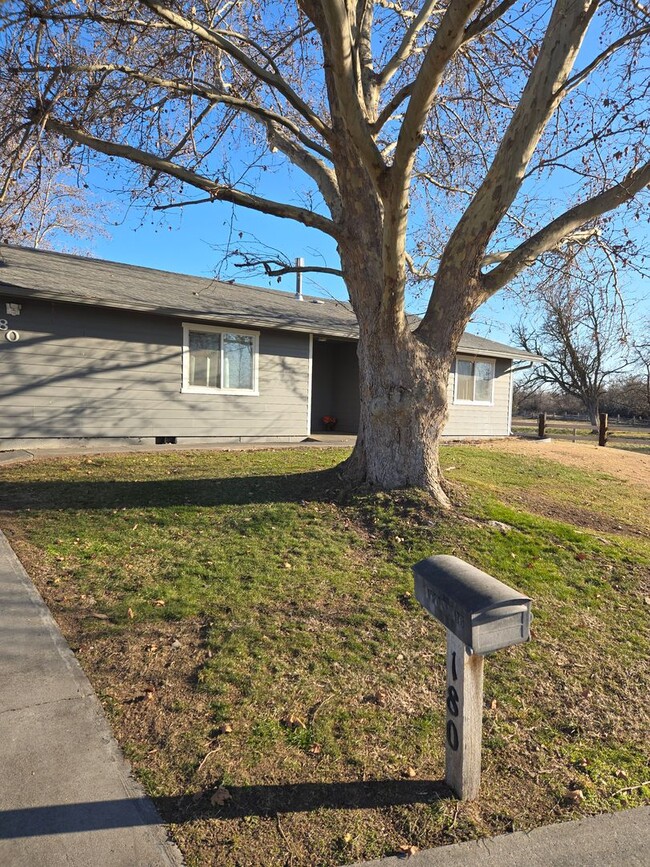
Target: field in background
(251, 632)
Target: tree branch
(408, 41)
(214, 37)
(196, 88)
(563, 226)
(539, 100)
(339, 42)
(217, 192)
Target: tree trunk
(403, 413)
(403, 403)
(593, 410)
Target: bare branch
(556, 232)
(217, 192)
(214, 37)
(429, 8)
(350, 101)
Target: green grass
(244, 590)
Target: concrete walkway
(66, 794)
(611, 840)
(320, 440)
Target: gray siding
(84, 372)
(474, 420)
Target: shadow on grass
(295, 487)
(302, 798)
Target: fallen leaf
(288, 566)
(176, 644)
(100, 616)
(315, 749)
(581, 557)
(411, 772)
(130, 613)
(219, 797)
(493, 704)
(380, 698)
(347, 838)
(159, 603)
(408, 850)
(134, 527)
(647, 600)
(574, 796)
(225, 729)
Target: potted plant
(329, 421)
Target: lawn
(250, 629)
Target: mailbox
(483, 612)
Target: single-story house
(94, 350)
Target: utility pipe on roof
(299, 264)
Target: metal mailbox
(483, 612)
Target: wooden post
(575, 434)
(541, 425)
(464, 719)
(602, 429)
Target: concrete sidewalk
(66, 794)
(611, 840)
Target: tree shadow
(302, 798)
(314, 486)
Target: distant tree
(579, 327)
(641, 355)
(450, 143)
(49, 212)
(628, 396)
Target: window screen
(237, 361)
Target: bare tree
(641, 360)
(580, 328)
(49, 212)
(428, 136)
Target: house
(93, 350)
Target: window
(219, 360)
(474, 381)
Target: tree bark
(402, 381)
(403, 390)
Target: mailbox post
(481, 615)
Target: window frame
(474, 359)
(186, 387)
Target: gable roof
(44, 275)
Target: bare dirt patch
(631, 467)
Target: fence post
(602, 429)
(541, 425)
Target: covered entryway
(335, 384)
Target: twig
(205, 758)
(630, 789)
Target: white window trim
(218, 329)
(474, 359)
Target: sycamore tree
(449, 143)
